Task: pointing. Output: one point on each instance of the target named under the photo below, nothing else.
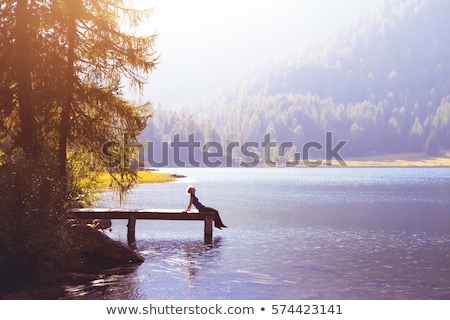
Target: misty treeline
(62, 68)
(383, 84)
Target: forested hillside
(383, 84)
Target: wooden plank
(146, 214)
(131, 232)
(208, 231)
(96, 209)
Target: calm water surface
(322, 233)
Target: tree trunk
(28, 127)
(66, 109)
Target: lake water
(294, 233)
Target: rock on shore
(98, 246)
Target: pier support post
(208, 226)
(131, 234)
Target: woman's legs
(217, 220)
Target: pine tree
(62, 69)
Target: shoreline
(400, 160)
(406, 160)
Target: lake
(293, 233)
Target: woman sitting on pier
(201, 208)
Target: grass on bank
(104, 179)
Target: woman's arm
(190, 204)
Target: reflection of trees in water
(98, 285)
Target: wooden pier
(146, 214)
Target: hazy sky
(206, 43)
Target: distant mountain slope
(403, 49)
(383, 84)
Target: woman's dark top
(195, 202)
